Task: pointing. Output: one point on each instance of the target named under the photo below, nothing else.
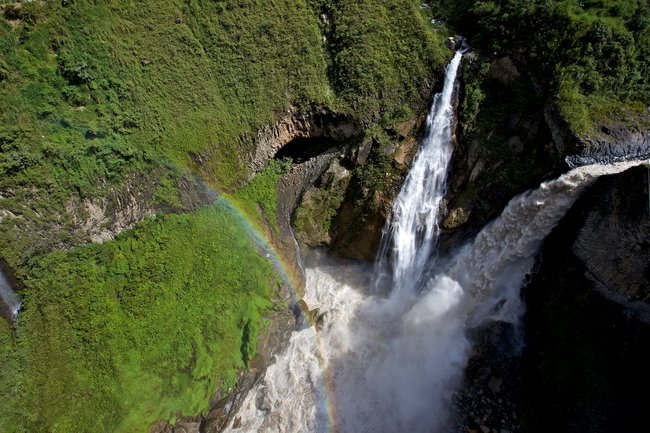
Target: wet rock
(495, 384)
(613, 144)
(186, 427)
(456, 218)
(493, 369)
(290, 190)
(614, 241)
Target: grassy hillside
(113, 337)
(591, 57)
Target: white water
(391, 364)
(8, 296)
(411, 232)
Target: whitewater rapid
(391, 364)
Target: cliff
(143, 184)
(153, 155)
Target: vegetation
(258, 197)
(315, 215)
(378, 174)
(590, 56)
(95, 91)
(382, 54)
(113, 337)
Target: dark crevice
(303, 149)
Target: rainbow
(264, 244)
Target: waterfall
(8, 296)
(492, 268)
(411, 232)
(391, 364)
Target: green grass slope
(114, 337)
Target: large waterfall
(391, 362)
(411, 233)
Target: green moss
(379, 174)
(258, 197)
(315, 217)
(113, 337)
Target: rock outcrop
(105, 214)
(290, 190)
(587, 323)
(614, 240)
(347, 207)
(613, 144)
(295, 124)
(589, 300)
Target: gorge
(389, 357)
(324, 216)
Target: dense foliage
(113, 337)
(382, 54)
(591, 56)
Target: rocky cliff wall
(587, 321)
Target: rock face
(587, 322)
(615, 143)
(335, 131)
(294, 125)
(614, 240)
(504, 149)
(274, 339)
(101, 218)
(319, 205)
(586, 328)
(588, 318)
(290, 190)
(103, 215)
(346, 208)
